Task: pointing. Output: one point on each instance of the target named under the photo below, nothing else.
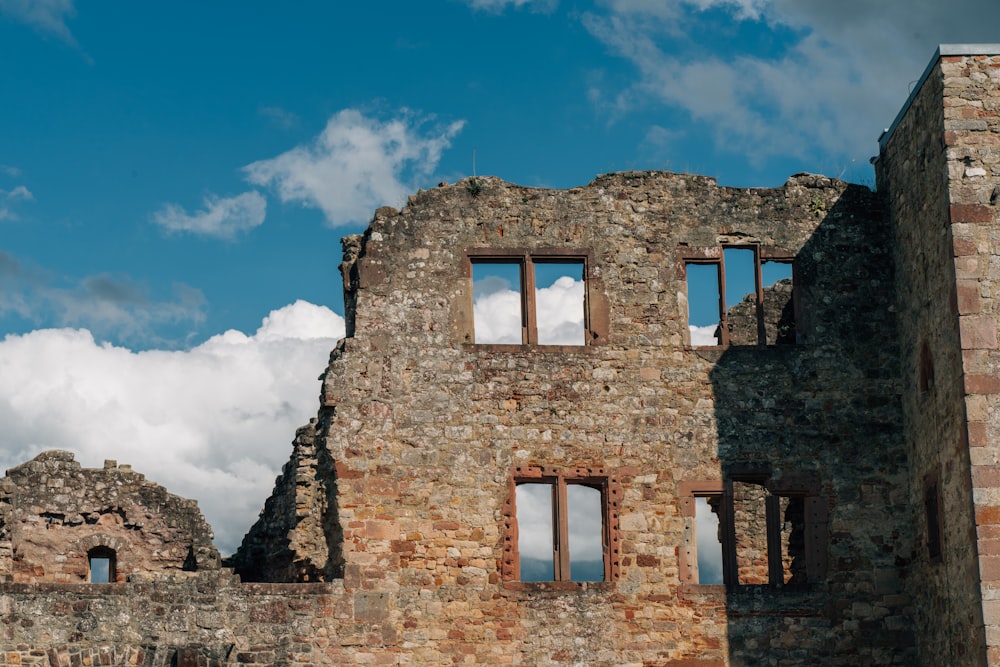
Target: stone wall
(972, 135)
(426, 427)
(298, 534)
(184, 619)
(939, 167)
(53, 512)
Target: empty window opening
(559, 302)
(535, 535)
(932, 512)
(753, 531)
(585, 524)
(792, 539)
(561, 526)
(704, 299)
(750, 523)
(102, 565)
(529, 300)
(708, 539)
(497, 303)
(736, 298)
(560, 532)
(740, 276)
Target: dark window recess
(932, 511)
(736, 297)
(529, 300)
(926, 380)
(748, 531)
(561, 526)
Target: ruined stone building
(830, 433)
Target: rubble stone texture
(833, 453)
(53, 512)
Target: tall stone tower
(939, 169)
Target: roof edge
(942, 50)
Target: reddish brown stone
(982, 384)
(985, 476)
(962, 247)
(971, 213)
(968, 300)
(978, 434)
(988, 515)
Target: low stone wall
(195, 619)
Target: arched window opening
(102, 565)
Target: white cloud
(560, 312)
(704, 335)
(497, 317)
(584, 516)
(835, 81)
(496, 311)
(214, 423)
(44, 15)
(222, 217)
(356, 164)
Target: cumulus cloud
(560, 312)
(106, 304)
(704, 335)
(221, 217)
(837, 79)
(497, 316)
(496, 309)
(212, 423)
(357, 164)
(47, 16)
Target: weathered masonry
(648, 421)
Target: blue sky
(170, 172)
